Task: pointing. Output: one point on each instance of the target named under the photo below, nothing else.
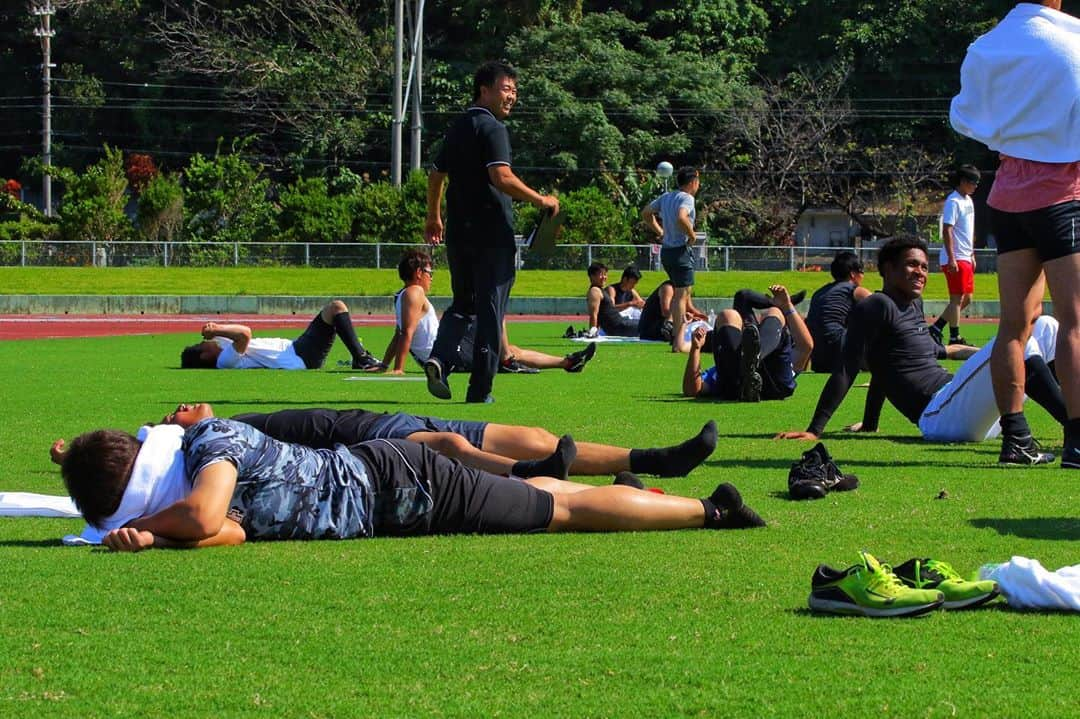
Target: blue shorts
(400, 425)
(678, 262)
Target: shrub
(309, 213)
(160, 214)
(225, 200)
(92, 207)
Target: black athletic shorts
(400, 426)
(463, 500)
(313, 345)
(1052, 232)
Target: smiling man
(890, 328)
(480, 248)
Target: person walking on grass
(958, 252)
(479, 229)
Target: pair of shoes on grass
(816, 474)
(872, 589)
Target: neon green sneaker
(933, 574)
(868, 589)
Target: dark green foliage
(225, 199)
(160, 214)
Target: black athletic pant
(481, 278)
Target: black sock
(1072, 432)
(676, 461)
(628, 479)
(746, 301)
(1015, 424)
(556, 465)
(1041, 386)
(724, 509)
(954, 332)
(940, 323)
(344, 328)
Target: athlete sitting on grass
(497, 448)
(223, 482)
(889, 329)
(416, 325)
(231, 346)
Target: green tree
(309, 213)
(160, 214)
(225, 199)
(92, 206)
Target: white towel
(157, 480)
(1026, 584)
(28, 504)
(1020, 86)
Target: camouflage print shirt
(284, 491)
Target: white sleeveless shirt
(424, 337)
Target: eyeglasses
(428, 271)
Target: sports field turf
(689, 623)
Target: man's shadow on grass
(31, 543)
(1066, 528)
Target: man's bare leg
(678, 311)
(1063, 276)
(593, 459)
(1021, 290)
(624, 509)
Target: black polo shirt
(476, 210)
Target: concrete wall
(285, 305)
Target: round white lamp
(664, 170)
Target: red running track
(24, 327)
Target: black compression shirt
(900, 353)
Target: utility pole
(399, 119)
(417, 79)
(44, 31)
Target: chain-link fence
(384, 255)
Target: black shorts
(1052, 232)
(464, 500)
(313, 345)
(400, 426)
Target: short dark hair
(844, 264)
(96, 470)
(191, 357)
(489, 72)
(631, 272)
(897, 246)
(596, 268)
(965, 172)
(685, 174)
(411, 261)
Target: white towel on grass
(157, 480)
(1020, 86)
(1026, 584)
(29, 504)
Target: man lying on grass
(222, 482)
(889, 329)
(497, 448)
(231, 346)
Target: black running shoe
(749, 379)
(367, 363)
(511, 366)
(1023, 451)
(578, 360)
(570, 333)
(798, 297)
(817, 474)
(1070, 457)
(958, 340)
(436, 380)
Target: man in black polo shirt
(829, 309)
(475, 157)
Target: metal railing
(384, 255)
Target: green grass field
(689, 623)
(357, 282)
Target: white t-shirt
(423, 338)
(261, 353)
(959, 211)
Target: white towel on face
(157, 480)
(1026, 584)
(28, 504)
(1020, 86)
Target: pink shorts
(961, 282)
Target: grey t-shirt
(667, 206)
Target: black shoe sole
(749, 379)
(436, 383)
